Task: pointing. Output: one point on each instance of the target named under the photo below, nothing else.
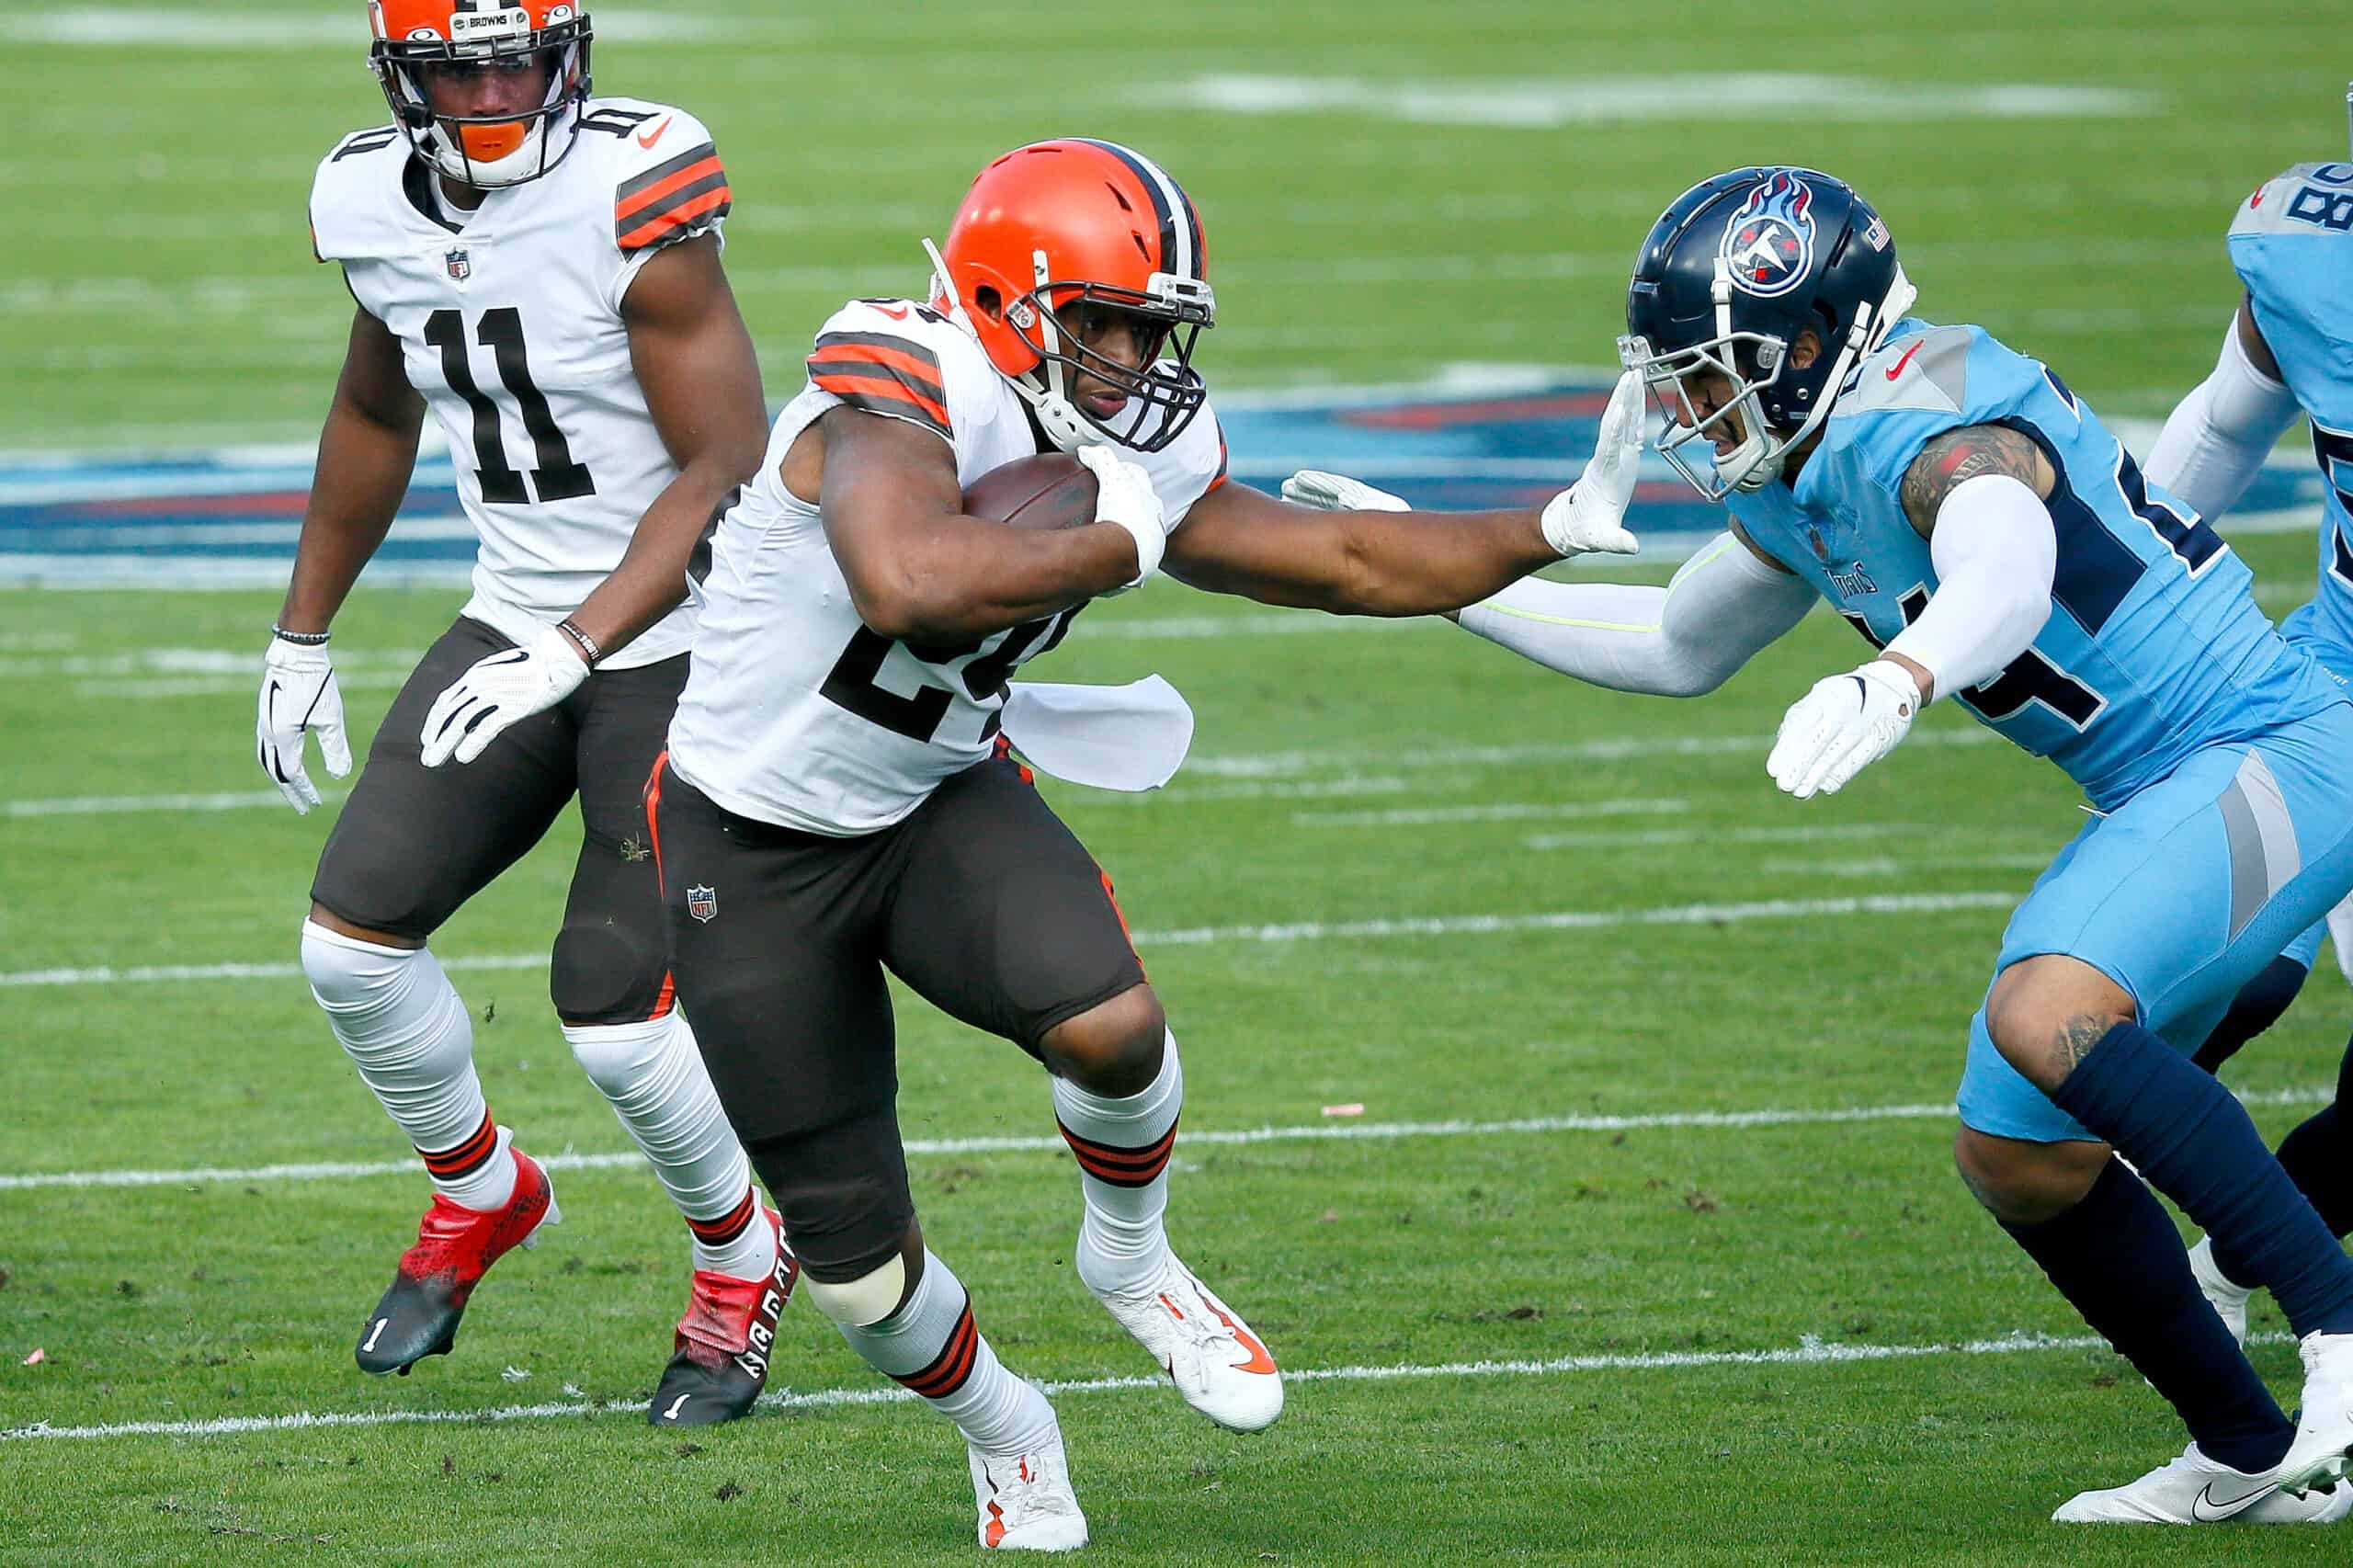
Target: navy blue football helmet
(1727, 279)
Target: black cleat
(455, 1247)
(724, 1344)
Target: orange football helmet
(1078, 219)
(414, 38)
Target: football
(1049, 490)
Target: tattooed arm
(1953, 459)
(1977, 496)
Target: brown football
(1049, 490)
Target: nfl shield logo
(461, 266)
(702, 904)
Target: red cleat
(724, 1342)
(455, 1247)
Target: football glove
(1123, 495)
(298, 695)
(1338, 493)
(1589, 516)
(1842, 726)
(503, 690)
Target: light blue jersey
(2155, 649)
(2292, 245)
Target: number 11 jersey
(509, 322)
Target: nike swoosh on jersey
(1897, 368)
(648, 138)
(2207, 1509)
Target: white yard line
(1810, 1351)
(1314, 1132)
(1193, 936)
(1507, 810)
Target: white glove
(1842, 726)
(299, 694)
(1590, 515)
(505, 688)
(1338, 493)
(1123, 495)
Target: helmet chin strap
(1057, 415)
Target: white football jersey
(795, 713)
(509, 320)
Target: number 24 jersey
(795, 713)
(509, 322)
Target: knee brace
(604, 972)
(867, 1299)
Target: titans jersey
(2293, 243)
(509, 322)
(2153, 648)
(796, 713)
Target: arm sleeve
(1680, 641)
(1995, 552)
(2216, 439)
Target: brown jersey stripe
(645, 229)
(881, 394)
(910, 361)
(636, 186)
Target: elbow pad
(1996, 555)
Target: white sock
(1123, 1147)
(931, 1346)
(654, 1077)
(406, 1030)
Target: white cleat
(2322, 1451)
(2228, 1297)
(2194, 1490)
(1219, 1366)
(1025, 1500)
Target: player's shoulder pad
(667, 180)
(1926, 373)
(1190, 466)
(2307, 198)
(898, 358)
(348, 185)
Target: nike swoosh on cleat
(677, 1405)
(1259, 1360)
(2208, 1509)
(647, 138)
(375, 1333)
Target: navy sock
(2193, 1141)
(2117, 1258)
(2256, 1008)
(2319, 1162)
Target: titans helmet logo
(1768, 244)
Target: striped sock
(1123, 1147)
(478, 1173)
(932, 1347)
(736, 1243)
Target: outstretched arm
(1680, 641)
(2219, 434)
(1369, 555)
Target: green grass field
(1519, 1332)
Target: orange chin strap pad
(488, 144)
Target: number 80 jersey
(509, 322)
(795, 711)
